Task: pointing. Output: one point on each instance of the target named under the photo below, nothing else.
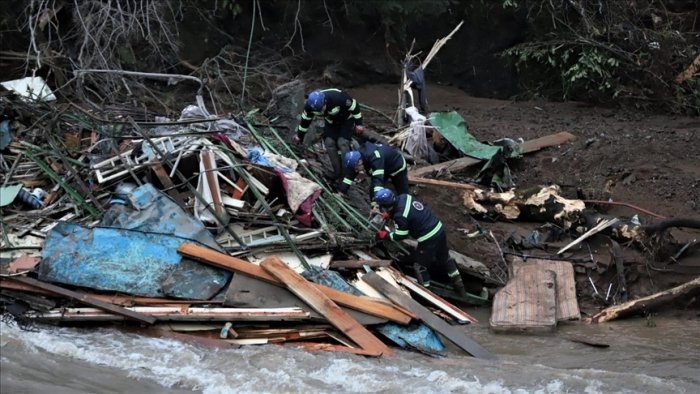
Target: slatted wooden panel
(567, 304)
(527, 303)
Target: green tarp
(452, 126)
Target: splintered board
(452, 333)
(326, 307)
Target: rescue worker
(382, 163)
(342, 119)
(431, 258)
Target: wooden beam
(439, 325)
(120, 300)
(526, 147)
(331, 348)
(439, 302)
(359, 263)
(178, 313)
(367, 305)
(85, 299)
(435, 182)
(326, 307)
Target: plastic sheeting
(452, 126)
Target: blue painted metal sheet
(126, 261)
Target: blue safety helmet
(385, 198)
(352, 158)
(316, 100)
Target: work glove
(359, 130)
(296, 140)
(381, 234)
(374, 207)
(385, 216)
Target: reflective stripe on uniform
(356, 116)
(426, 284)
(453, 274)
(347, 181)
(334, 111)
(303, 129)
(377, 188)
(331, 90)
(377, 154)
(403, 167)
(377, 172)
(401, 232)
(353, 105)
(432, 232)
(407, 208)
(305, 117)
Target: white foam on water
(283, 369)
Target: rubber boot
(458, 285)
(421, 275)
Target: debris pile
(202, 227)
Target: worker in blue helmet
(342, 119)
(381, 162)
(411, 218)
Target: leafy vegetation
(595, 50)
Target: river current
(658, 356)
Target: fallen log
(647, 304)
(526, 147)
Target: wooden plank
(567, 303)
(180, 314)
(527, 147)
(527, 304)
(435, 182)
(120, 300)
(439, 325)
(212, 183)
(439, 302)
(167, 183)
(246, 292)
(367, 305)
(326, 307)
(331, 348)
(355, 264)
(86, 299)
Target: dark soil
(650, 161)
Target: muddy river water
(645, 356)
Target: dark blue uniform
(382, 163)
(414, 219)
(342, 113)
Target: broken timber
(326, 307)
(527, 147)
(647, 304)
(459, 315)
(439, 325)
(180, 314)
(363, 304)
(85, 299)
